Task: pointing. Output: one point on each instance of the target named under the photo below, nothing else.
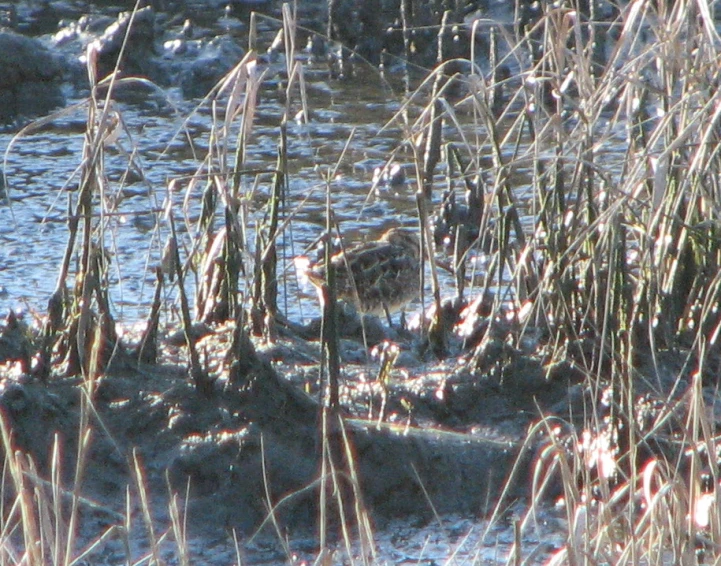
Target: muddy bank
(450, 441)
(246, 444)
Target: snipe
(375, 277)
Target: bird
(376, 277)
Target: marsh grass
(622, 258)
(615, 257)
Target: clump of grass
(75, 316)
(625, 509)
(43, 519)
(619, 257)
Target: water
(43, 167)
(348, 136)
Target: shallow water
(41, 171)
(349, 133)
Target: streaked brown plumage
(376, 277)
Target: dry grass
(618, 259)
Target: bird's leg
(388, 315)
